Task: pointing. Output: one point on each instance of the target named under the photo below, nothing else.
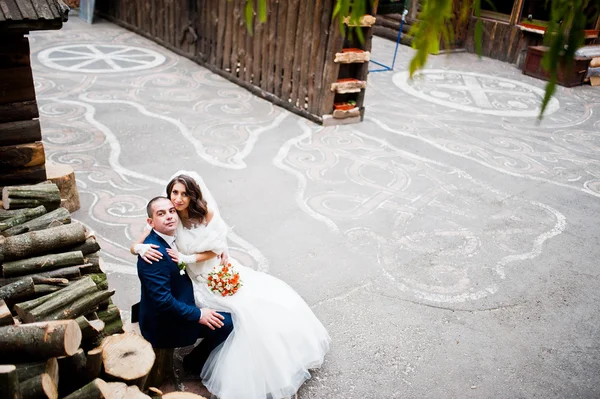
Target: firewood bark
(127, 357)
(62, 282)
(63, 298)
(40, 242)
(93, 258)
(97, 389)
(45, 289)
(162, 369)
(16, 197)
(6, 318)
(90, 329)
(28, 214)
(64, 177)
(72, 372)
(40, 264)
(81, 306)
(93, 366)
(112, 320)
(9, 382)
(40, 386)
(100, 279)
(70, 272)
(17, 289)
(57, 217)
(39, 341)
(7, 214)
(26, 371)
(88, 247)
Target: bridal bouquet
(224, 280)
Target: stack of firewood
(60, 333)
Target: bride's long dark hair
(197, 208)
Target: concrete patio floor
(449, 243)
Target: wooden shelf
(352, 56)
(349, 85)
(366, 21)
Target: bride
(276, 337)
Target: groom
(168, 315)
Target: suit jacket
(168, 315)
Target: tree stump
(64, 177)
(39, 341)
(162, 370)
(127, 357)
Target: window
(497, 9)
(536, 12)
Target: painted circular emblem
(476, 92)
(100, 58)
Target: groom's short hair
(151, 202)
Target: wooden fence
(289, 59)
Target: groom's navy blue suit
(168, 315)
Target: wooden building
(22, 158)
(298, 59)
(509, 27)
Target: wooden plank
(257, 51)
(213, 21)
(248, 54)
(235, 23)
(297, 66)
(139, 14)
(21, 156)
(242, 32)
(271, 39)
(14, 51)
(335, 42)
(317, 36)
(27, 10)
(152, 17)
(227, 40)
(221, 25)
(290, 44)
(35, 174)
(307, 37)
(18, 111)
(264, 51)
(324, 33)
(16, 85)
(515, 15)
(11, 11)
(20, 132)
(160, 19)
(282, 7)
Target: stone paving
(449, 242)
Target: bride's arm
(197, 258)
(145, 251)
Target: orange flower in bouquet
(224, 280)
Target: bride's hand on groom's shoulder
(211, 318)
(148, 252)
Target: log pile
(60, 334)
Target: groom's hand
(211, 318)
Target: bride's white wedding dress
(276, 337)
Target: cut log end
(7, 368)
(182, 395)
(127, 356)
(49, 387)
(64, 177)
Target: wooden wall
(22, 156)
(502, 41)
(288, 60)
